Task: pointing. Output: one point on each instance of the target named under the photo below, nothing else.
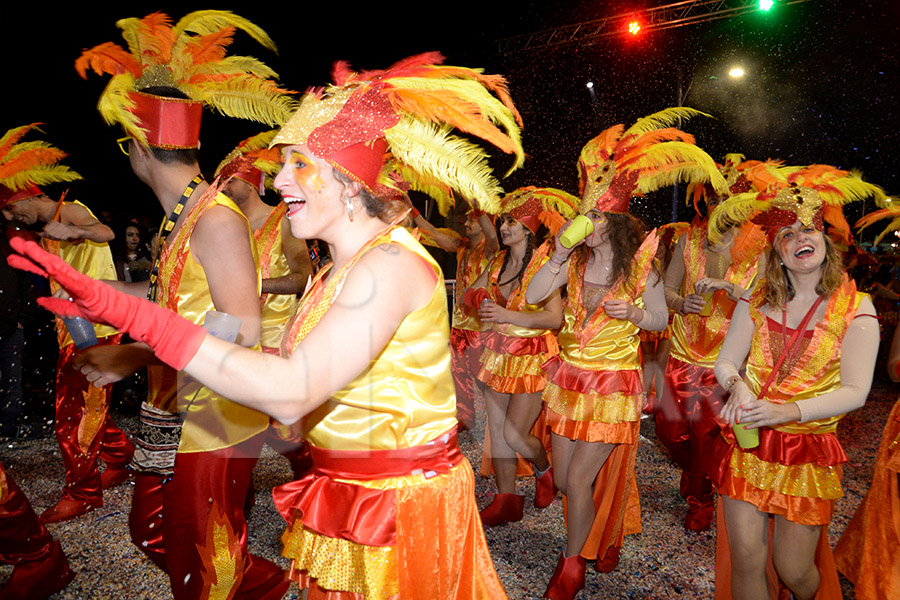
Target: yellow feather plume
(735, 210)
(33, 162)
(454, 161)
(891, 211)
(663, 118)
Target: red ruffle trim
(515, 346)
(463, 339)
(350, 512)
(570, 377)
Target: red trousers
(192, 526)
(84, 428)
(465, 352)
(22, 537)
(686, 425)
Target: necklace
(164, 231)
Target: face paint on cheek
(306, 172)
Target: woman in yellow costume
(388, 509)
(810, 340)
(867, 553)
(594, 392)
(516, 346)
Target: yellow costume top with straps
(211, 422)
(470, 262)
(698, 339)
(94, 259)
(276, 309)
(406, 396)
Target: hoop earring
(349, 204)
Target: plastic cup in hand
(578, 229)
(707, 304)
(82, 332)
(746, 438)
(222, 325)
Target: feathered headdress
(191, 58)
(813, 195)
(26, 165)
(647, 156)
(740, 176)
(891, 211)
(533, 206)
(409, 111)
(252, 161)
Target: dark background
(821, 83)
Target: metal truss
(669, 16)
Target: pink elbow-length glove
(174, 339)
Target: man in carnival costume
(284, 262)
(703, 283)
(196, 449)
(84, 429)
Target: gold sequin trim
(594, 407)
(806, 480)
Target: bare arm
(894, 356)
(491, 242)
(443, 241)
(221, 244)
(353, 331)
(76, 223)
(297, 255)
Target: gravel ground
(664, 561)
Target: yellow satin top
(698, 339)
(516, 300)
(211, 422)
(406, 396)
(94, 259)
(598, 342)
(470, 262)
(276, 309)
(817, 371)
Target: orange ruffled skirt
(512, 365)
(793, 475)
(868, 552)
(432, 546)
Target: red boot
(544, 489)
(39, 579)
(609, 562)
(114, 476)
(67, 509)
(505, 508)
(567, 579)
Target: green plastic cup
(746, 438)
(578, 229)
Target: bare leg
(586, 461)
(521, 413)
(794, 554)
(503, 458)
(747, 537)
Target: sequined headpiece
(813, 195)
(533, 206)
(408, 112)
(189, 57)
(252, 161)
(735, 170)
(620, 163)
(26, 165)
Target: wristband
(730, 383)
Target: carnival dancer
(284, 264)
(867, 551)
(196, 449)
(473, 253)
(810, 340)
(520, 340)
(41, 568)
(389, 508)
(594, 391)
(84, 429)
(703, 283)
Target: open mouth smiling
(294, 204)
(804, 251)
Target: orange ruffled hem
(623, 432)
(512, 374)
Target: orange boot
(567, 579)
(505, 508)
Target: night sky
(822, 81)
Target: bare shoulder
(75, 214)
(220, 224)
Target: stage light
(736, 72)
(634, 27)
(766, 5)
